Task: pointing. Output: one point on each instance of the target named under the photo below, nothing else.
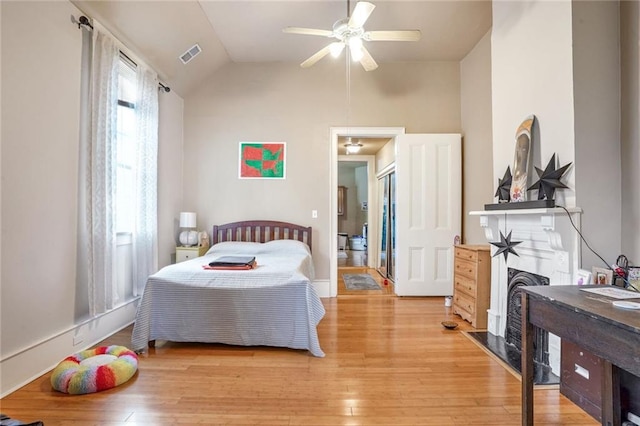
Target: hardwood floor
(388, 362)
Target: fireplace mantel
(549, 246)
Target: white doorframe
(335, 132)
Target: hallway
(355, 262)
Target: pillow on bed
(236, 247)
(285, 246)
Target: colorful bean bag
(94, 370)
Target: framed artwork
(262, 160)
(583, 277)
(602, 276)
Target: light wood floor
(388, 362)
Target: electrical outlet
(78, 339)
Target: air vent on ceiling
(190, 54)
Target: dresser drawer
(459, 310)
(465, 285)
(465, 302)
(466, 268)
(470, 255)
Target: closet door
(428, 189)
(387, 208)
(383, 220)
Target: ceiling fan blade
(400, 35)
(367, 61)
(307, 31)
(360, 14)
(316, 56)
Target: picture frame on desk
(583, 277)
(601, 276)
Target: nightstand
(188, 253)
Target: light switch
(314, 214)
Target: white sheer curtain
(145, 234)
(101, 184)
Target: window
(126, 150)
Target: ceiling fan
(350, 32)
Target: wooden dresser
(472, 283)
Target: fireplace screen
(513, 332)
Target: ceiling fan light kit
(350, 31)
(336, 48)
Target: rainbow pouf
(95, 370)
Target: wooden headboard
(261, 231)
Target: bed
(274, 304)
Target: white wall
(170, 164)
(282, 102)
(41, 51)
(532, 73)
(386, 156)
(40, 109)
(630, 129)
(596, 88)
(543, 64)
(478, 185)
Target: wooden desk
(590, 321)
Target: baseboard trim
(26, 365)
(323, 287)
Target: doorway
(373, 226)
(353, 211)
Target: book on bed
(233, 262)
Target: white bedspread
(272, 305)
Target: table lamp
(188, 237)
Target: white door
(428, 216)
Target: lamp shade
(187, 220)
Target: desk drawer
(581, 371)
(466, 268)
(465, 285)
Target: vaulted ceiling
(251, 31)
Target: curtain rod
(84, 21)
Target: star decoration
(549, 180)
(504, 186)
(505, 246)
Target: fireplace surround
(549, 248)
